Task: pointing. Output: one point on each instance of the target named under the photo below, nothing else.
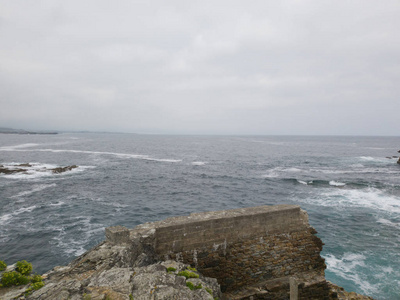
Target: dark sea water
(349, 188)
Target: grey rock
(117, 278)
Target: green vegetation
(192, 287)
(209, 291)
(24, 267)
(188, 274)
(13, 278)
(3, 265)
(171, 269)
(36, 278)
(20, 277)
(130, 297)
(87, 296)
(191, 269)
(34, 287)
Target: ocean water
(349, 188)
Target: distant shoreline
(20, 131)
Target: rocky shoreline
(134, 264)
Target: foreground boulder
(111, 272)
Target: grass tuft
(188, 274)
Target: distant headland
(22, 131)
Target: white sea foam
(8, 217)
(370, 198)
(59, 203)
(388, 223)
(36, 188)
(336, 183)
(162, 159)
(369, 158)
(5, 218)
(271, 174)
(21, 146)
(278, 171)
(75, 244)
(292, 170)
(302, 182)
(37, 170)
(347, 267)
(121, 155)
(199, 163)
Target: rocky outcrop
(267, 252)
(63, 169)
(8, 171)
(22, 168)
(343, 295)
(116, 272)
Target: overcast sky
(201, 67)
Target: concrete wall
(262, 246)
(218, 228)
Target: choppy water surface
(348, 186)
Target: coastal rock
(266, 252)
(25, 165)
(8, 171)
(22, 168)
(63, 169)
(398, 161)
(106, 271)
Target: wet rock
(8, 171)
(17, 169)
(25, 165)
(63, 169)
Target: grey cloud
(227, 67)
